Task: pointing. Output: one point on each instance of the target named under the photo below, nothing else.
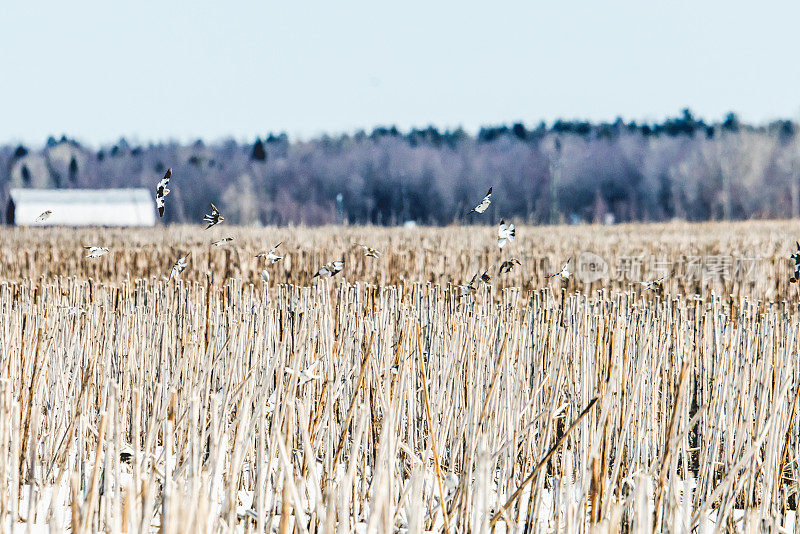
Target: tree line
(567, 171)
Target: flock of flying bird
(505, 235)
(212, 219)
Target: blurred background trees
(570, 171)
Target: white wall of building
(84, 207)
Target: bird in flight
(214, 217)
(95, 252)
(469, 288)
(507, 265)
(565, 272)
(796, 258)
(480, 208)
(654, 285)
(179, 266)
(222, 241)
(331, 269)
(505, 234)
(162, 192)
(306, 375)
(44, 216)
(270, 257)
(371, 252)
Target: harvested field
(213, 404)
(742, 259)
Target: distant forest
(565, 172)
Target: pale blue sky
(159, 70)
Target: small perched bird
(485, 277)
(469, 288)
(565, 272)
(371, 252)
(270, 257)
(654, 285)
(265, 275)
(480, 208)
(222, 241)
(214, 217)
(162, 192)
(179, 266)
(331, 269)
(95, 252)
(44, 216)
(507, 265)
(505, 234)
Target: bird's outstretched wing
(162, 192)
(480, 208)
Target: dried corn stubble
(172, 401)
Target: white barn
(81, 207)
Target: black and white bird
(306, 375)
(480, 208)
(95, 252)
(270, 257)
(654, 285)
(469, 288)
(44, 216)
(162, 192)
(371, 252)
(331, 269)
(565, 271)
(179, 266)
(796, 258)
(214, 217)
(222, 241)
(508, 265)
(505, 234)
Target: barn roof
(84, 207)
